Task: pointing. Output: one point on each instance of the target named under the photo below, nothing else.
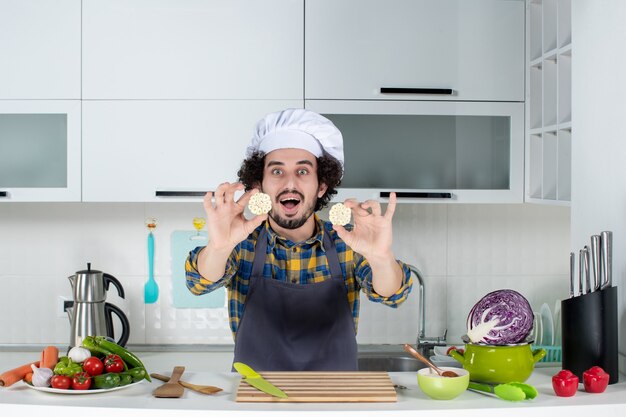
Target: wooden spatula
(204, 389)
(171, 389)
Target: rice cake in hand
(339, 214)
(260, 203)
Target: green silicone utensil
(511, 391)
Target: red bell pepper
(595, 380)
(565, 383)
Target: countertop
(138, 401)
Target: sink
(389, 363)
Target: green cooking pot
(499, 364)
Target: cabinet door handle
(166, 193)
(4, 194)
(431, 91)
(403, 194)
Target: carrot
(11, 376)
(28, 377)
(49, 357)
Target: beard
(292, 223)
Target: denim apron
(295, 327)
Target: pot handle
(109, 310)
(538, 355)
(458, 356)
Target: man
(293, 279)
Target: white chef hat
(297, 128)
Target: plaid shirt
(298, 263)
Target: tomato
(93, 366)
(113, 363)
(595, 380)
(81, 381)
(565, 383)
(61, 382)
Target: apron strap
(332, 257)
(260, 250)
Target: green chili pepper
(94, 347)
(106, 381)
(137, 373)
(125, 378)
(67, 367)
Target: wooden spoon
(417, 355)
(171, 389)
(204, 389)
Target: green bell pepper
(67, 367)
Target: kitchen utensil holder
(589, 332)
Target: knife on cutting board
(257, 381)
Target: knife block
(589, 333)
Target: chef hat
(297, 128)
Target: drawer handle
(402, 194)
(431, 91)
(166, 193)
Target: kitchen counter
(138, 401)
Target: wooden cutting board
(310, 387)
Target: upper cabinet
(40, 49)
(166, 49)
(40, 150)
(549, 102)
(415, 50)
(166, 150)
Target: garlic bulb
(41, 376)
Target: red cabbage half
(501, 317)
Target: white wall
(599, 134)
(464, 251)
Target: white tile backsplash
(463, 251)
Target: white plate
(547, 322)
(79, 392)
(537, 334)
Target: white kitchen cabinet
(40, 150)
(192, 49)
(430, 151)
(153, 150)
(40, 49)
(474, 48)
(549, 102)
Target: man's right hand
(226, 223)
(226, 226)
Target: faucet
(424, 344)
